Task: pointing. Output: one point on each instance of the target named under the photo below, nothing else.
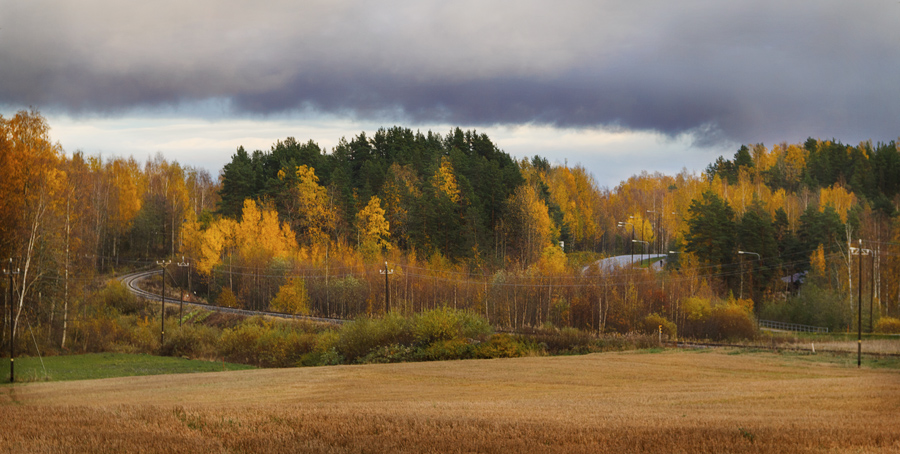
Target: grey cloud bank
(724, 72)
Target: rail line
(131, 283)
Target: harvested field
(673, 401)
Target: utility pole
(387, 289)
(859, 252)
(12, 330)
(162, 299)
(182, 264)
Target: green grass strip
(106, 365)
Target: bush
(98, 334)
(395, 353)
(447, 349)
(814, 306)
(238, 344)
(721, 320)
(445, 324)
(500, 346)
(553, 341)
(887, 325)
(730, 321)
(266, 344)
(365, 334)
(651, 325)
(116, 296)
(192, 341)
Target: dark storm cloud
(743, 71)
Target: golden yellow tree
(30, 194)
(573, 190)
(261, 237)
(529, 225)
(374, 229)
(214, 243)
(126, 192)
(292, 298)
(444, 180)
(313, 218)
(838, 198)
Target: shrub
(194, 341)
(730, 321)
(500, 346)
(116, 296)
(365, 334)
(720, 320)
(395, 353)
(553, 341)
(651, 325)
(887, 325)
(447, 349)
(814, 306)
(99, 333)
(226, 298)
(238, 344)
(266, 344)
(445, 324)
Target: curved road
(131, 283)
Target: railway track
(132, 281)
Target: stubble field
(674, 401)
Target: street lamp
(646, 245)
(623, 224)
(657, 229)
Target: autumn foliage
(461, 225)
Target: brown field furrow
(614, 402)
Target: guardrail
(772, 324)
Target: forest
(404, 221)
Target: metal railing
(771, 324)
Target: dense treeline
(460, 224)
(440, 194)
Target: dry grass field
(674, 401)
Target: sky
(619, 87)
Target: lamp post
(656, 232)
(646, 245)
(623, 224)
